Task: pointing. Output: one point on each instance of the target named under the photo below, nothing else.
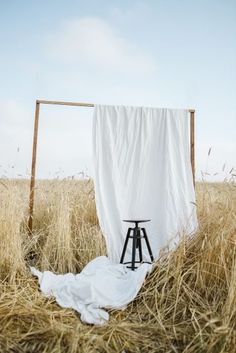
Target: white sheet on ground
(101, 284)
(143, 170)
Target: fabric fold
(100, 285)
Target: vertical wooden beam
(33, 167)
(192, 142)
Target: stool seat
(138, 234)
(136, 221)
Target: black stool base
(138, 235)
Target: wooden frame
(76, 104)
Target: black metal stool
(137, 236)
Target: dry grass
(188, 303)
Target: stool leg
(125, 245)
(140, 247)
(148, 245)
(134, 249)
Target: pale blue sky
(164, 53)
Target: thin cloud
(16, 125)
(94, 43)
(14, 116)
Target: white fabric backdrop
(142, 170)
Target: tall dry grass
(11, 215)
(187, 304)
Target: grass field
(187, 304)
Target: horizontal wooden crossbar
(77, 104)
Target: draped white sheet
(101, 284)
(143, 170)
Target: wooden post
(192, 142)
(33, 167)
